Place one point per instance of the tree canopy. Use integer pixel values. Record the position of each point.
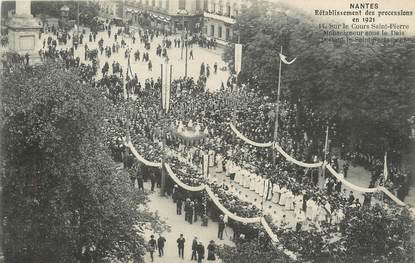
(367, 89)
(64, 198)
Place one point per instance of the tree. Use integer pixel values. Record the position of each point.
(87, 9)
(365, 89)
(376, 234)
(251, 251)
(64, 199)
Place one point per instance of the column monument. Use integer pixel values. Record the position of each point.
(24, 32)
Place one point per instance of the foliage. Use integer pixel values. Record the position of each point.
(366, 89)
(64, 200)
(52, 8)
(376, 234)
(251, 251)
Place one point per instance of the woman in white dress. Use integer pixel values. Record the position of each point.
(289, 199)
(309, 211)
(298, 203)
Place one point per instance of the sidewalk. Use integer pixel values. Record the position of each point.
(165, 207)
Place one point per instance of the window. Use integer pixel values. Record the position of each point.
(212, 30)
(160, 3)
(228, 34)
(167, 4)
(182, 4)
(228, 11)
(220, 31)
(153, 3)
(221, 9)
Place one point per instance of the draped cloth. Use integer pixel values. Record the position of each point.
(242, 137)
(212, 196)
(354, 187)
(229, 213)
(141, 158)
(277, 147)
(299, 163)
(180, 183)
(268, 229)
(394, 198)
(275, 239)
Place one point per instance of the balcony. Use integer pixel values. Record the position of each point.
(222, 18)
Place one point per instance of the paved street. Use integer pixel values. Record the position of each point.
(208, 56)
(165, 207)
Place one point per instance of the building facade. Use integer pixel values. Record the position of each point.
(172, 15)
(220, 16)
(111, 8)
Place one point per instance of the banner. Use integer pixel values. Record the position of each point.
(242, 137)
(165, 90)
(238, 58)
(291, 159)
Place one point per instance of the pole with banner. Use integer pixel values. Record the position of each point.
(205, 165)
(326, 146)
(165, 106)
(238, 58)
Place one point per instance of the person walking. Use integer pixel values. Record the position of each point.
(152, 247)
(194, 247)
(140, 180)
(200, 252)
(211, 251)
(221, 227)
(160, 244)
(179, 204)
(152, 180)
(180, 245)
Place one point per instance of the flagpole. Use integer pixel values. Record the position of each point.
(325, 149)
(163, 155)
(277, 112)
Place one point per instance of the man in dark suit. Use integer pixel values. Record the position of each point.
(179, 203)
(160, 244)
(221, 227)
(194, 247)
(200, 252)
(180, 245)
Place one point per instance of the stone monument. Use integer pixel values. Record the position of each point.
(23, 32)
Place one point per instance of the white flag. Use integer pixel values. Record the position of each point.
(284, 59)
(166, 90)
(238, 58)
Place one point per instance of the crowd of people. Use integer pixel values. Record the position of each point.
(316, 198)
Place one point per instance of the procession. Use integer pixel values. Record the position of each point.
(146, 139)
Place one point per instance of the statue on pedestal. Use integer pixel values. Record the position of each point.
(24, 31)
